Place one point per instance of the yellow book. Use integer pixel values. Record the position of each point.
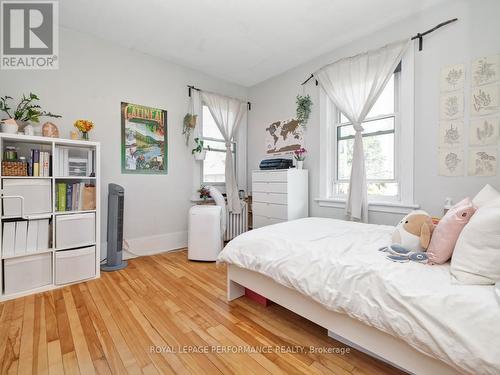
(36, 171)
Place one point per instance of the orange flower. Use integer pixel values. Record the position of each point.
(84, 125)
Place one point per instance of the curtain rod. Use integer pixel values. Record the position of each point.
(419, 36)
(191, 87)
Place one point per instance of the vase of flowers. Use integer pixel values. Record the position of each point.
(84, 126)
(300, 156)
(204, 192)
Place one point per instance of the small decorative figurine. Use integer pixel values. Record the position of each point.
(50, 130)
(29, 130)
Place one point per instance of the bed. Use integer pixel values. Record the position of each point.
(408, 314)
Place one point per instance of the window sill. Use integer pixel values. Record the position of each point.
(373, 206)
(201, 200)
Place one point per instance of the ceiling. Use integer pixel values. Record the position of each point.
(244, 42)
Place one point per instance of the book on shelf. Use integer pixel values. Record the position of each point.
(39, 164)
(69, 197)
(36, 162)
(77, 196)
(61, 196)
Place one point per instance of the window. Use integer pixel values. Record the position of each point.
(213, 169)
(388, 140)
(379, 141)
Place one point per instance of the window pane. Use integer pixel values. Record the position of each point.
(382, 125)
(210, 128)
(379, 151)
(345, 131)
(385, 103)
(213, 167)
(343, 119)
(344, 161)
(216, 145)
(389, 189)
(379, 157)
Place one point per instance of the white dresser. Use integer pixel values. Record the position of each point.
(279, 195)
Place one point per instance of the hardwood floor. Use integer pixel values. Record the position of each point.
(112, 325)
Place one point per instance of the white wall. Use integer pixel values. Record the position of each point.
(94, 77)
(475, 34)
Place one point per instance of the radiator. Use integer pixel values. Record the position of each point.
(236, 223)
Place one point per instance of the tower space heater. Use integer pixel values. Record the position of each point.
(114, 257)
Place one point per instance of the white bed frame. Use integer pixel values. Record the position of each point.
(340, 326)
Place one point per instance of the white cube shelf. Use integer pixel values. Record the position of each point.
(74, 253)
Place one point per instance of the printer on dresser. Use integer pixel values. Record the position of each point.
(279, 195)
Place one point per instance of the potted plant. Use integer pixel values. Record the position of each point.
(188, 125)
(199, 152)
(26, 111)
(300, 156)
(304, 104)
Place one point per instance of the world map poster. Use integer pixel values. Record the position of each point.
(144, 139)
(284, 137)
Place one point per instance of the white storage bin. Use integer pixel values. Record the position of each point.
(25, 273)
(75, 265)
(36, 193)
(74, 230)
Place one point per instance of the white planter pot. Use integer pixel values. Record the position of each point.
(200, 156)
(10, 126)
(300, 164)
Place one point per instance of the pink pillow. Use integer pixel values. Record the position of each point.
(446, 233)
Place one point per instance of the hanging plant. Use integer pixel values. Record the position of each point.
(188, 125)
(199, 152)
(189, 122)
(304, 104)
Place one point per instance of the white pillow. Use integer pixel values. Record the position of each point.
(476, 258)
(487, 194)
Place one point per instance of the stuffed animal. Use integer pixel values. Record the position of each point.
(414, 231)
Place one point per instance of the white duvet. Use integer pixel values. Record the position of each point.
(337, 264)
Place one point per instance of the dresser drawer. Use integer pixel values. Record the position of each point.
(277, 211)
(280, 176)
(278, 198)
(269, 187)
(262, 221)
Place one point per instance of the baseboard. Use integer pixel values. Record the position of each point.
(150, 245)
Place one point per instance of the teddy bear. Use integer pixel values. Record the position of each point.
(414, 231)
(411, 238)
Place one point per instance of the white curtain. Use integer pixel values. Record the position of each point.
(227, 113)
(354, 84)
